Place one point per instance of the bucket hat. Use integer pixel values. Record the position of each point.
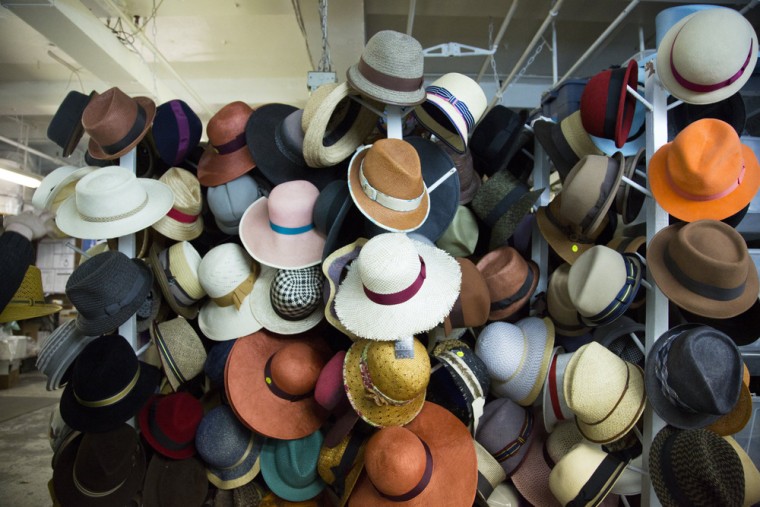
(387, 297)
(335, 268)
(430, 461)
(58, 353)
(229, 201)
(180, 350)
(336, 217)
(230, 450)
(340, 466)
(585, 475)
(510, 278)
(108, 385)
(65, 128)
(607, 109)
(183, 222)
(461, 236)
(278, 231)
(289, 467)
(473, 305)
(565, 143)
(490, 475)
(288, 301)
(705, 172)
(494, 138)
(735, 421)
(174, 483)
(116, 122)
(28, 301)
(390, 69)
(107, 290)
(469, 180)
(454, 103)
(560, 307)
(112, 202)
(682, 387)
(270, 383)
(57, 186)
(169, 422)
(554, 404)
(176, 131)
(506, 431)
(227, 156)
(727, 47)
(176, 270)
(704, 267)
(616, 336)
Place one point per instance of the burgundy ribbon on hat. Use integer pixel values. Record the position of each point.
(231, 146)
(180, 217)
(402, 296)
(420, 487)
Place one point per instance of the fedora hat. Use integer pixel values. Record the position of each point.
(430, 461)
(560, 307)
(176, 131)
(335, 268)
(606, 107)
(731, 110)
(473, 305)
(58, 353)
(227, 155)
(231, 451)
(490, 476)
(565, 143)
(183, 222)
(112, 202)
(174, 483)
(116, 122)
(336, 217)
(506, 431)
(740, 328)
(229, 201)
(511, 280)
(289, 467)
(57, 186)
(176, 270)
(554, 404)
(340, 466)
(494, 140)
(28, 301)
(390, 69)
(705, 268)
(682, 387)
(180, 350)
(227, 274)
(454, 103)
(108, 385)
(65, 128)
(169, 422)
(278, 231)
(461, 236)
(726, 44)
(469, 180)
(18, 255)
(270, 382)
(585, 475)
(628, 201)
(705, 172)
(387, 297)
(616, 336)
(107, 290)
(288, 301)
(735, 421)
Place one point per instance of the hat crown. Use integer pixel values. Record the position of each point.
(388, 263)
(221, 439)
(501, 346)
(295, 368)
(30, 290)
(573, 472)
(591, 181)
(399, 379)
(108, 117)
(291, 204)
(183, 345)
(558, 302)
(395, 54)
(329, 203)
(393, 167)
(185, 188)
(395, 460)
(505, 272)
(104, 368)
(223, 268)
(296, 460)
(505, 424)
(178, 415)
(229, 201)
(109, 193)
(104, 460)
(595, 279)
(228, 123)
(183, 261)
(296, 293)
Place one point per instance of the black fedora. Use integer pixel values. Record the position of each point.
(66, 129)
(731, 110)
(176, 131)
(336, 216)
(495, 140)
(742, 329)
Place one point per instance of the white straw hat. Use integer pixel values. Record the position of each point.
(288, 301)
(57, 186)
(585, 475)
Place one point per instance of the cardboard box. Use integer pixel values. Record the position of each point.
(9, 373)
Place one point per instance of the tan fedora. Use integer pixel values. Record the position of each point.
(180, 349)
(561, 309)
(511, 280)
(183, 222)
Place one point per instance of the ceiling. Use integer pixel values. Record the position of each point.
(211, 53)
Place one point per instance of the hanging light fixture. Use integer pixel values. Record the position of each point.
(11, 171)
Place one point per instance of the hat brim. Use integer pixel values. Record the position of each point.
(636, 136)
(179, 231)
(24, 311)
(384, 95)
(144, 422)
(188, 312)
(150, 113)
(215, 169)
(263, 311)
(334, 269)
(49, 191)
(280, 485)
(240, 475)
(733, 422)
(59, 352)
(565, 247)
(222, 323)
(627, 104)
(453, 131)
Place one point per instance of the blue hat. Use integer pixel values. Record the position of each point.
(289, 467)
(229, 201)
(176, 131)
(216, 359)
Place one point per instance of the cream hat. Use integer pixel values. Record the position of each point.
(183, 222)
(585, 475)
(58, 185)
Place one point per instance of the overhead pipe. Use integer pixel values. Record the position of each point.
(410, 17)
(497, 40)
(37, 153)
(750, 5)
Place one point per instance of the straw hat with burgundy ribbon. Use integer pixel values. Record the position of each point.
(183, 222)
(227, 156)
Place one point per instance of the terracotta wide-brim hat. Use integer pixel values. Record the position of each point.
(737, 419)
(264, 312)
(335, 268)
(28, 301)
(96, 150)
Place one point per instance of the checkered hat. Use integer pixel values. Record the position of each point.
(296, 293)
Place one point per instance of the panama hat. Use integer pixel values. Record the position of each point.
(116, 122)
(473, 305)
(28, 301)
(270, 382)
(176, 131)
(629, 201)
(705, 172)
(65, 128)
(726, 44)
(59, 351)
(461, 236)
(227, 156)
(430, 461)
(336, 217)
(174, 483)
(560, 307)
(335, 268)
(288, 301)
(397, 287)
(176, 270)
(511, 280)
(57, 186)
(340, 466)
(565, 143)
(734, 421)
(585, 475)
(180, 350)
(169, 422)
(704, 267)
(229, 201)
(506, 431)
(751, 474)
(390, 69)
(289, 467)
(494, 138)
(183, 222)
(606, 107)
(554, 404)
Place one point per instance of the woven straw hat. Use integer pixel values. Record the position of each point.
(176, 269)
(511, 280)
(390, 69)
(180, 349)
(229, 201)
(734, 421)
(28, 301)
(490, 474)
(604, 412)
(707, 56)
(183, 222)
(181, 482)
(461, 236)
(606, 107)
(340, 466)
(397, 287)
(473, 304)
(560, 307)
(585, 475)
(288, 301)
(384, 387)
(506, 431)
(59, 352)
(554, 404)
(227, 155)
(751, 474)
(57, 186)
(289, 467)
(565, 143)
(169, 423)
(335, 268)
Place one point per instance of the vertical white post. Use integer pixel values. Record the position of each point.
(540, 248)
(127, 246)
(394, 121)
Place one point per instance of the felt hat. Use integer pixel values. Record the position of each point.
(560, 307)
(107, 290)
(59, 351)
(57, 186)
(751, 474)
(112, 202)
(108, 385)
(510, 278)
(116, 122)
(554, 404)
(169, 422)
(704, 267)
(682, 387)
(666, 18)
(150, 308)
(335, 268)
(430, 461)
(289, 467)
(616, 336)
(494, 138)
(174, 483)
(473, 305)
(288, 301)
(532, 478)
(454, 103)
(565, 143)
(336, 217)
(176, 131)
(65, 128)
(270, 382)
(469, 180)
(329, 392)
(726, 45)
(227, 156)
(585, 475)
(740, 328)
(176, 270)
(229, 201)
(506, 431)
(28, 301)
(628, 201)
(734, 421)
(180, 350)
(461, 236)
(606, 107)
(183, 222)
(230, 450)
(390, 69)
(705, 172)
(216, 360)
(340, 466)
(278, 230)
(387, 297)
(490, 475)
(731, 110)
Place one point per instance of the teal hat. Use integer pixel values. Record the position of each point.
(461, 236)
(289, 467)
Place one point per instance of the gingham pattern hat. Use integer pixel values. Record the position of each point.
(296, 293)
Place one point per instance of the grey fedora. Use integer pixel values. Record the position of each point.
(59, 352)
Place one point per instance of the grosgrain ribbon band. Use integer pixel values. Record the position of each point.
(162, 438)
(449, 97)
(113, 218)
(134, 132)
(276, 390)
(554, 392)
(623, 298)
(138, 285)
(111, 400)
(383, 80)
(239, 293)
(702, 88)
(402, 296)
(420, 487)
(231, 146)
(703, 289)
(183, 131)
(27, 302)
(290, 231)
(513, 447)
(181, 217)
(94, 494)
(703, 198)
(385, 200)
(597, 486)
(505, 203)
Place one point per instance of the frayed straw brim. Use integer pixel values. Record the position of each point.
(264, 312)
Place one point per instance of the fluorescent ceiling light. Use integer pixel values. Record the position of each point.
(11, 171)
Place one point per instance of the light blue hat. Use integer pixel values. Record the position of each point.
(229, 201)
(289, 467)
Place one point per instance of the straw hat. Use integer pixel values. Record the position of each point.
(176, 131)
(227, 156)
(706, 172)
(28, 301)
(180, 349)
(751, 474)
(565, 143)
(183, 222)
(176, 269)
(116, 122)
(506, 431)
(229, 201)
(57, 186)
(335, 268)
(58, 353)
(554, 404)
(289, 467)
(430, 461)
(390, 69)
(734, 421)
(169, 422)
(65, 128)
(585, 475)
(461, 236)
(174, 482)
(336, 217)
(494, 140)
(707, 56)
(472, 307)
(605, 97)
(340, 466)
(288, 301)
(397, 287)
(490, 475)
(511, 280)
(560, 307)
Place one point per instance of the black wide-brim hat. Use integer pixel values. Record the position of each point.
(17, 256)
(66, 129)
(336, 216)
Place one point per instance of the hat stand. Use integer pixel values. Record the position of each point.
(393, 115)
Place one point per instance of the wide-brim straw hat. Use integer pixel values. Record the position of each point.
(115, 118)
(183, 222)
(264, 312)
(340, 466)
(180, 350)
(176, 482)
(59, 352)
(737, 419)
(335, 268)
(57, 186)
(565, 143)
(185, 266)
(28, 301)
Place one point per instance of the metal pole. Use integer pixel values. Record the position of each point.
(38, 153)
(555, 57)
(497, 40)
(410, 17)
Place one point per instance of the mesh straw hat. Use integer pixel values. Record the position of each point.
(705, 268)
(473, 304)
(683, 386)
(57, 186)
(565, 143)
(116, 122)
(628, 201)
(585, 475)
(385, 387)
(174, 483)
(726, 45)
(278, 230)
(59, 352)
(336, 217)
(288, 301)
(430, 461)
(183, 222)
(112, 202)
(490, 474)
(216, 360)
(230, 450)
(751, 474)
(270, 382)
(390, 69)
(604, 412)
(28, 301)
(506, 431)
(616, 336)
(65, 128)
(176, 131)
(494, 139)
(107, 290)
(180, 350)
(397, 287)
(454, 103)
(554, 404)
(511, 280)
(227, 274)
(335, 268)
(229, 201)
(734, 421)
(461, 236)
(169, 422)
(560, 307)
(606, 107)
(289, 467)
(227, 156)
(706, 172)
(176, 269)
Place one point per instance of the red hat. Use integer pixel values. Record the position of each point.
(168, 423)
(227, 156)
(606, 106)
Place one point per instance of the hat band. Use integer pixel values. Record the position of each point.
(523, 291)
(231, 146)
(554, 392)
(485, 488)
(383, 80)
(162, 438)
(668, 471)
(113, 218)
(449, 97)
(27, 302)
(134, 132)
(181, 217)
(239, 293)
(623, 299)
(420, 487)
(342, 469)
(661, 372)
(166, 353)
(96, 494)
(183, 131)
(605, 189)
(178, 292)
(111, 400)
(385, 200)
(567, 230)
(505, 203)
(475, 390)
(372, 392)
(701, 88)
(276, 390)
(402, 296)
(701, 288)
(290, 231)
(696, 197)
(114, 308)
(513, 447)
(598, 485)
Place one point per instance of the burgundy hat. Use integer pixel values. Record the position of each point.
(169, 422)
(606, 106)
(227, 156)
(329, 391)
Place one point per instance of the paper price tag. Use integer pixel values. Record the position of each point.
(404, 348)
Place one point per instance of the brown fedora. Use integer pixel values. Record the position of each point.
(511, 280)
(227, 156)
(473, 304)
